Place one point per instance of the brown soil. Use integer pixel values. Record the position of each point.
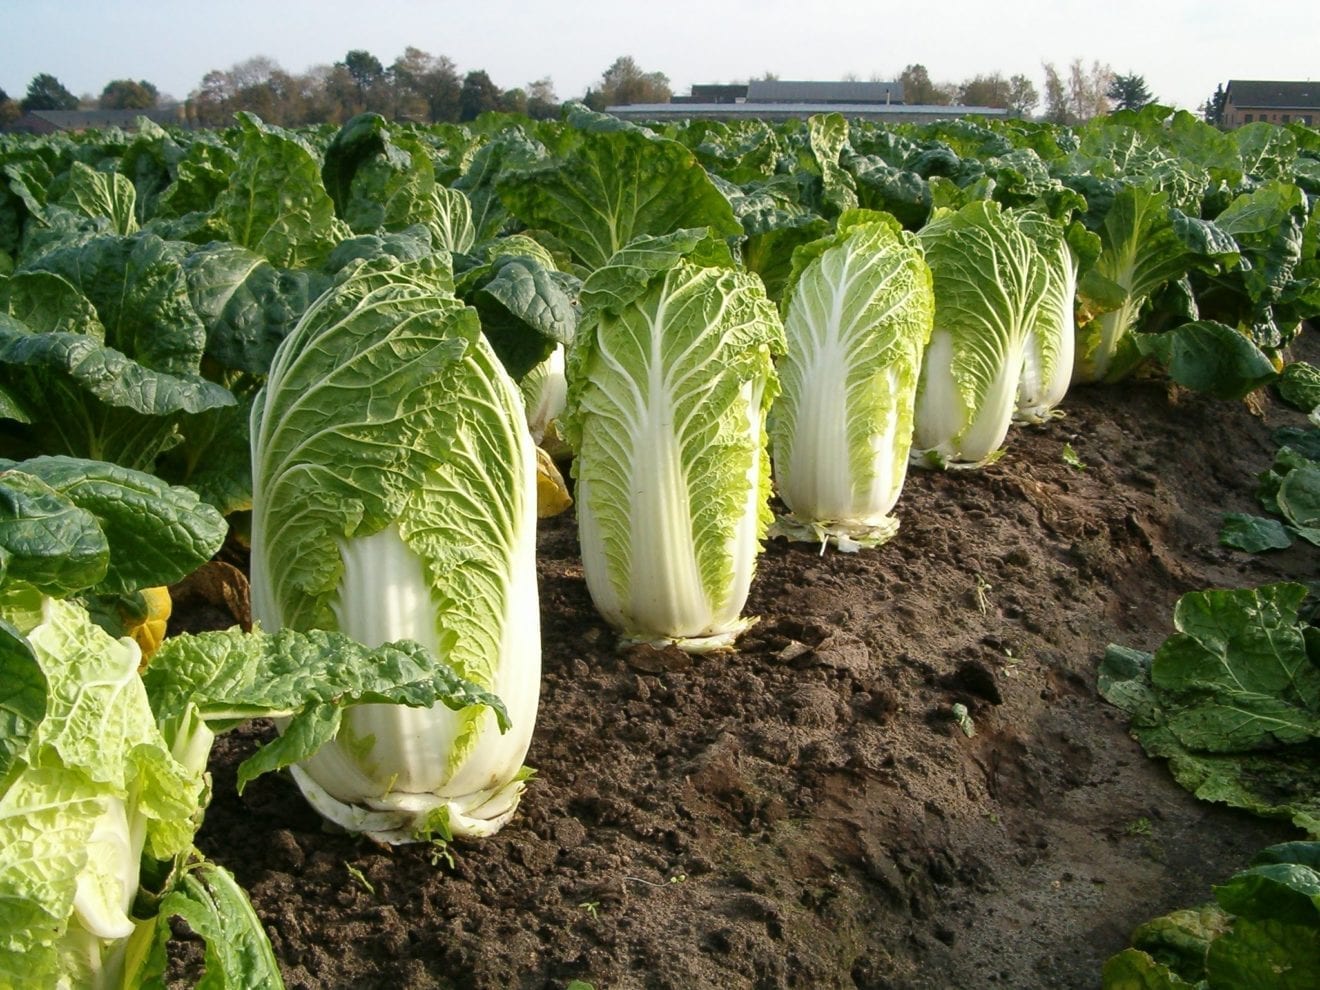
(806, 811)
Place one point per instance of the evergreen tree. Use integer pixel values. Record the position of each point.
(1129, 92)
(45, 92)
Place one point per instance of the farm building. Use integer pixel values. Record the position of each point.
(774, 99)
(1248, 101)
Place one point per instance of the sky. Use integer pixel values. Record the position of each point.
(1182, 48)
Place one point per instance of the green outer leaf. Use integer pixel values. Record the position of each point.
(46, 540)
(157, 534)
(1236, 678)
(1253, 533)
(231, 676)
(1245, 651)
(525, 311)
(1179, 939)
(1146, 244)
(107, 374)
(857, 321)
(1133, 969)
(614, 186)
(1209, 357)
(246, 305)
(1299, 385)
(276, 203)
(1299, 496)
(23, 690)
(140, 292)
(1265, 954)
(45, 302)
(1287, 892)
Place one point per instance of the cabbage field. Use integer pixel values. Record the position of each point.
(580, 555)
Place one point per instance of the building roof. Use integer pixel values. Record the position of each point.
(785, 91)
(789, 111)
(81, 120)
(1270, 93)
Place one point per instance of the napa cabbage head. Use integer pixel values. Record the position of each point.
(1047, 358)
(858, 315)
(394, 498)
(989, 281)
(669, 378)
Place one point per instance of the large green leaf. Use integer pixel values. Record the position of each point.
(1232, 700)
(1209, 357)
(246, 304)
(616, 185)
(275, 203)
(156, 533)
(45, 539)
(1245, 655)
(140, 292)
(47, 303)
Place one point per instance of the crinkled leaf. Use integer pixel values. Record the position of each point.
(140, 292)
(231, 676)
(525, 311)
(276, 203)
(1243, 654)
(616, 185)
(1133, 969)
(45, 302)
(246, 304)
(104, 373)
(99, 194)
(156, 533)
(45, 539)
(22, 695)
(1299, 385)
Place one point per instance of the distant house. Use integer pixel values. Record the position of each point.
(773, 99)
(52, 121)
(1247, 101)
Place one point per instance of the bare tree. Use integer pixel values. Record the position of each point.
(1088, 89)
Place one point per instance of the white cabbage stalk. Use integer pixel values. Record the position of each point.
(669, 380)
(859, 315)
(394, 489)
(544, 390)
(1047, 359)
(988, 280)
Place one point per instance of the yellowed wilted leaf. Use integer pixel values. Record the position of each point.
(552, 495)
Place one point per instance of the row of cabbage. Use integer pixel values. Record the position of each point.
(319, 338)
